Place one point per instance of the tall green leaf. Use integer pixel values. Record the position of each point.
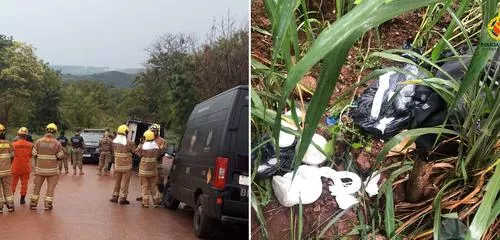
(436, 204)
(481, 219)
(339, 38)
(436, 51)
(259, 215)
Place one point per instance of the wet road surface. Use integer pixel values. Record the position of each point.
(82, 211)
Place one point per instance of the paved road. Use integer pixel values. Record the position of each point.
(82, 211)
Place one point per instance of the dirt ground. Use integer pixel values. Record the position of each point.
(82, 211)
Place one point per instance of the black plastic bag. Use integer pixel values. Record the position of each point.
(269, 165)
(383, 111)
(452, 229)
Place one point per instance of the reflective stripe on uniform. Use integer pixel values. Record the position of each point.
(147, 172)
(49, 199)
(4, 146)
(46, 170)
(46, 157)
(5, 172)
(148, 160)
(60, 154)
(5, 155)
(123, 155)
(128, 167)
(34, 197)
(10, 198)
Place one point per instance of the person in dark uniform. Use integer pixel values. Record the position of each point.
(30, 138)
(77, 145)
(64, 142)
(112, 136)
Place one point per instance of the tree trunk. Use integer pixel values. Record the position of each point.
(4, 118)
(418, 181)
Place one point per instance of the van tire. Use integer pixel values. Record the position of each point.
(168, 200)
(202, 223)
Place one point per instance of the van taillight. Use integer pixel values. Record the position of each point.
(220, 172)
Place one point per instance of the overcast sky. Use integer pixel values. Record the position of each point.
(112, 33)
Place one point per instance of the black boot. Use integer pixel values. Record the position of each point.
(124, 202)
(160, 187)
(23, 201)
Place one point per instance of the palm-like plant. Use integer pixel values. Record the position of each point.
(274, 82)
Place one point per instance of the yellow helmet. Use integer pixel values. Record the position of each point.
(51, 127)
(2, 128)
(149, 135)
(23, 131)
(122, 129)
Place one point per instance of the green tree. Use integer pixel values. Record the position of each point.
(46, 98)
(222, 61)
(165, 90)
(18, 77)
(89, 103)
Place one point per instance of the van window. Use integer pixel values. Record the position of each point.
(242, 142)
(208, 142)
(192, 141)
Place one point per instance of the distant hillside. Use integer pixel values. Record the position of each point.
(88, 70)
(114, 78)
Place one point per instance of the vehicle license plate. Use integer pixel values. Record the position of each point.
(243, 180)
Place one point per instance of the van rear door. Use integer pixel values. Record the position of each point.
(240, 140)
(237, 190)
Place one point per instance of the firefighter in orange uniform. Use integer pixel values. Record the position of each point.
(21, 165)
(47, 152)
(6, 155)
(123, 150)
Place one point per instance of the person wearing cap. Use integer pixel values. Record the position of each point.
(64, 142)
(47, 151)
(77, 145)
(112, 160)
(162, 144)
(6, 156)
(105, 149)
(155, 128)
(149, 152)
(123, 150)
(21, 165)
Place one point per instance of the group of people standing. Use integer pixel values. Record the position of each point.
(50, 154)
(151, 151)
(75, 153)
(15, 162)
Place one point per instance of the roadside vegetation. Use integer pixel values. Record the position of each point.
(318, 56)
(180, 72)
